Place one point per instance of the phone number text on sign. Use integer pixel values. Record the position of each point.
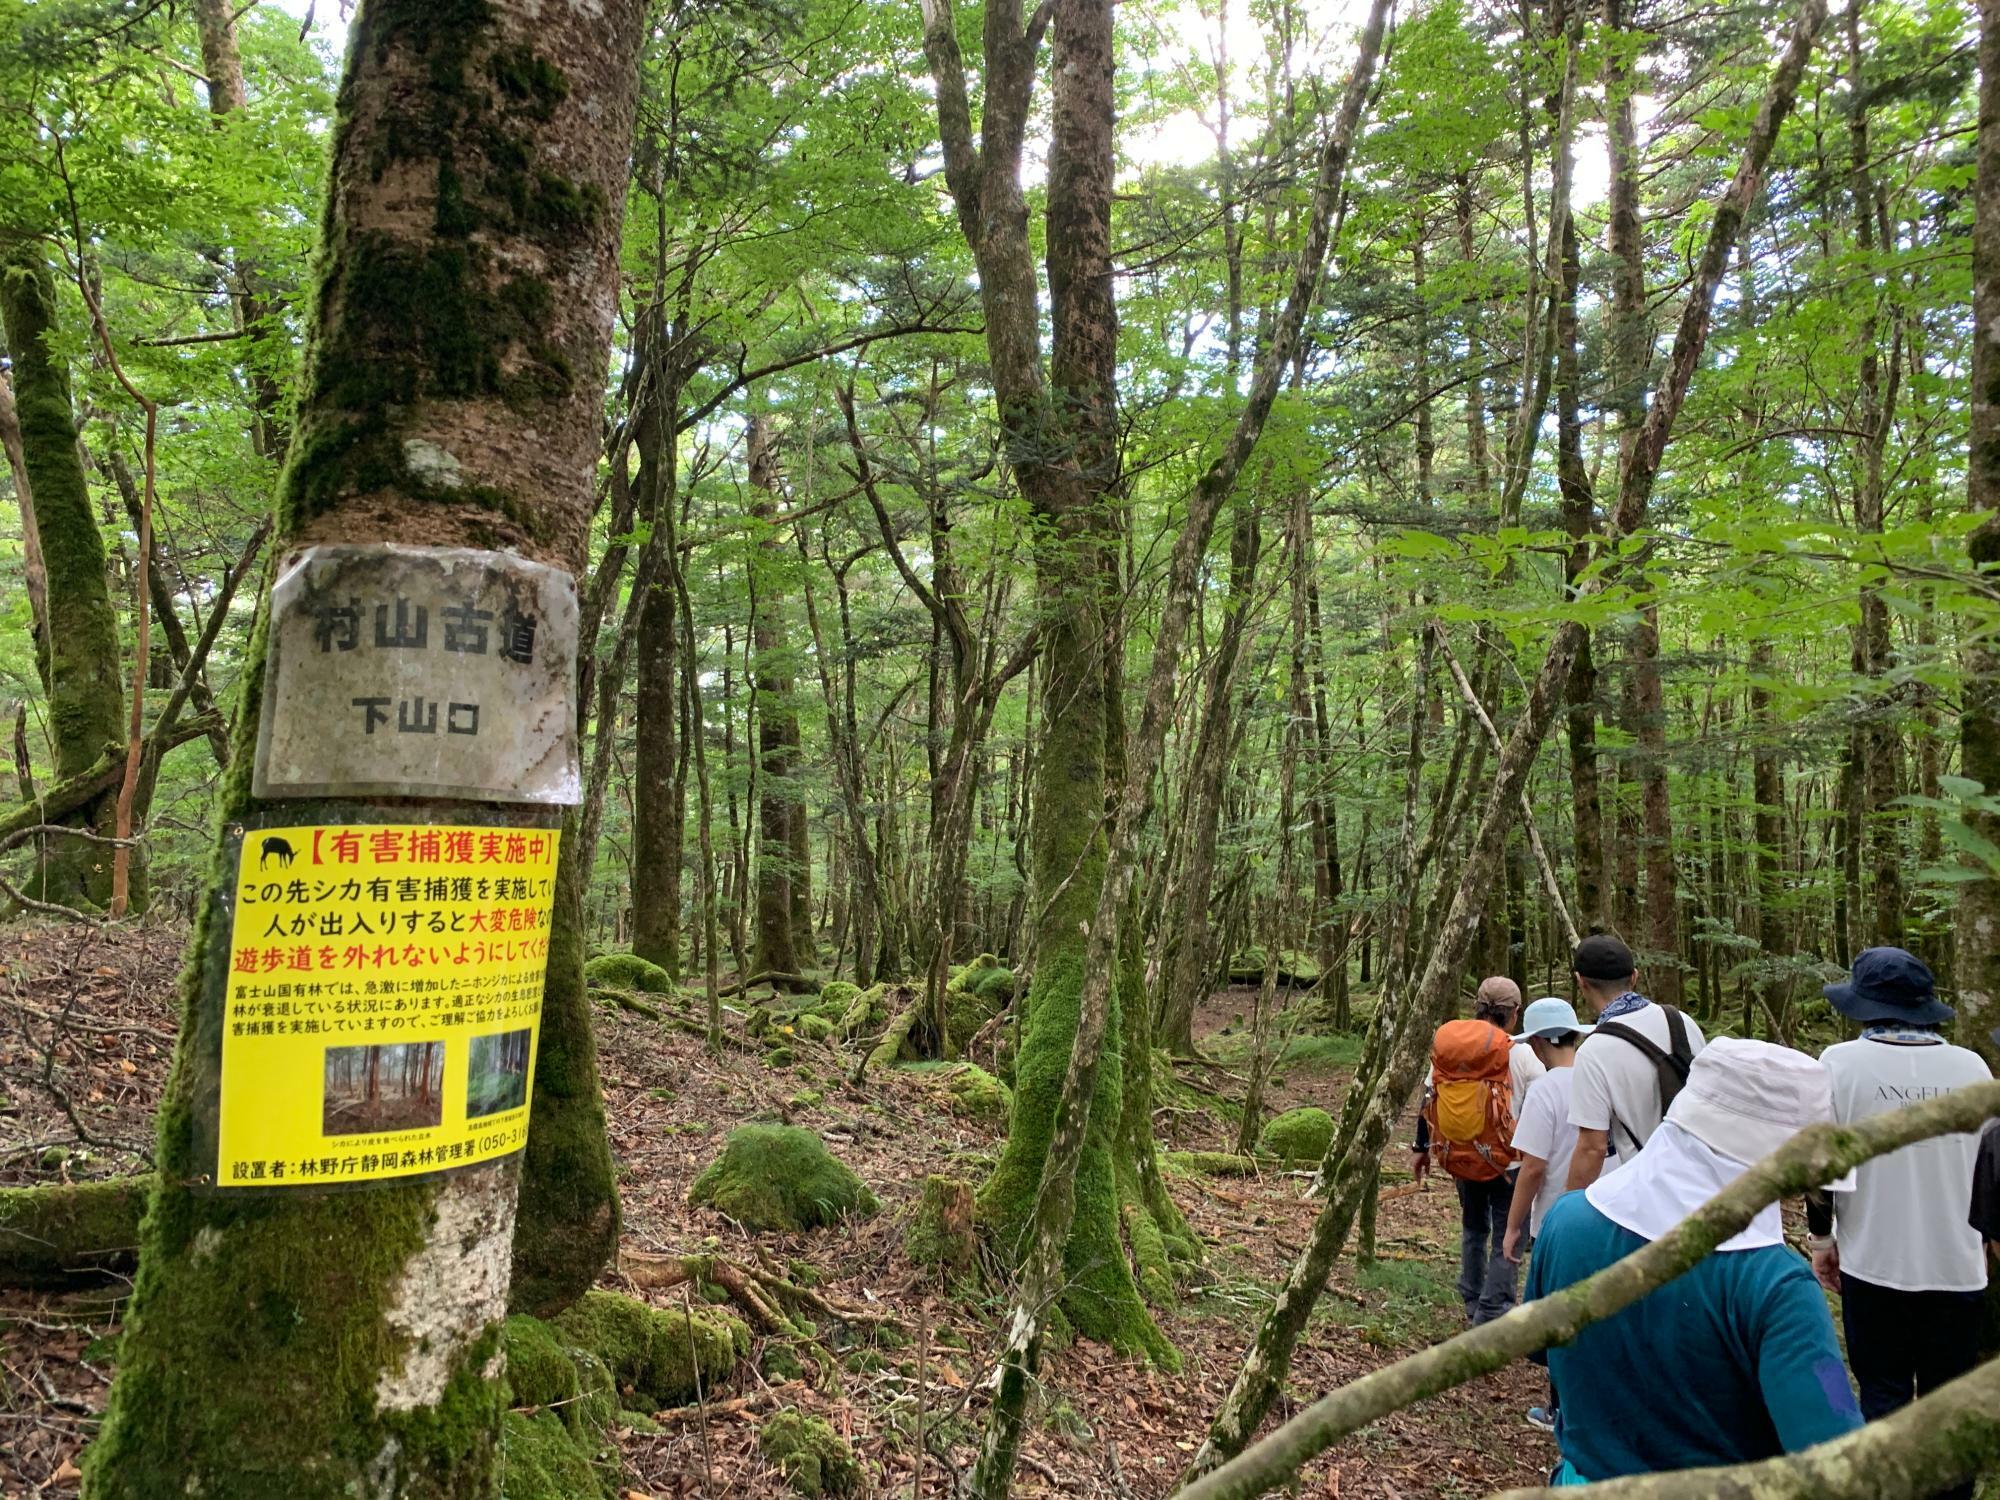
(383, 1000)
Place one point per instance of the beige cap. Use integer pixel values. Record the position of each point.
(1500, 990)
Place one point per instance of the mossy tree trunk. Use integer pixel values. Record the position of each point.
(86, 696)
(659, 817)
(349, 1344)
(1977, 960)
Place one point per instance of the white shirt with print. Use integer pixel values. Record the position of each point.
(1904, 1224)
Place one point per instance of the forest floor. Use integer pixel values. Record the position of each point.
(1108, 1426)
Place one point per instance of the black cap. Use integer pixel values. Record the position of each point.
(1602, 956)
(1889, 984)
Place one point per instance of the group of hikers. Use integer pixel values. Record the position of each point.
(1572, 1145)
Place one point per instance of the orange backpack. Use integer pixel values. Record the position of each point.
(1470, 1106)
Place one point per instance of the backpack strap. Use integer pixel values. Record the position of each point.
(1671, 1066)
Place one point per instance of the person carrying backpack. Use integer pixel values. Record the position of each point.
(1629, 1069)
(1466, 1127)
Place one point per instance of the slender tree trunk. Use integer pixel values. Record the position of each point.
(658, 812)
(86, 695)
(1977, 957)
(35, 574)
(375, 1315)
(1877, 749)
(1194, 957)
(777, 731)
(255, 307)
(1663, 920)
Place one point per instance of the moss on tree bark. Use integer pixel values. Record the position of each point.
(86, 696)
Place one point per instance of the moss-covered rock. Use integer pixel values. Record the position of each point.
(628, 971)
(781, 1057)
(663, 1356)
(988, 978)
(866, 1010)
(977, 1093)
(1297, 1134)
(942, 1232)
(780, 1177)
(836, 999)
(780, 1363)
(813, 1027)
(539, 1371)
(965, 1013)
(810, 1454)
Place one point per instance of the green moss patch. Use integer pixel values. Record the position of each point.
(540, 1459)
(664, 1357)
(780, 1177)
(629, 972)
(942, 1231)
(968, 1089)
(810, 1454)
(1297, 1134)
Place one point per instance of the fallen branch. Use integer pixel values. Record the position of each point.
(709, 1411)
(886, 1050)
(1810, 1159)
(760, 1292)
(62, 1234)
(58, 830)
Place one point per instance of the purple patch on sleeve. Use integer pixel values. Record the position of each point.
(1833, 1383)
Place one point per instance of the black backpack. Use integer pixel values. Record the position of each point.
(1672, 1066)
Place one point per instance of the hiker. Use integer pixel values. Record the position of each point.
(1733, 1361)
(1985, 1215)
(1467, 1123)
(1635, 1062)
(1909, 1269)
(1543, 1139)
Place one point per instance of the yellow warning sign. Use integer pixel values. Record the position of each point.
(383, 1000)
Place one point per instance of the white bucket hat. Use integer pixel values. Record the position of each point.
(1745, 1099)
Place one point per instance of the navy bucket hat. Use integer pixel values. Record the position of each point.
(1889, 984)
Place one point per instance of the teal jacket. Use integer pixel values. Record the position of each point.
(1731, 1362)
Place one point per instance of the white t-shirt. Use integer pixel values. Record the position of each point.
(1616, 1082)
(1904, 1225)
(1542, 1128)
(1523, 1068)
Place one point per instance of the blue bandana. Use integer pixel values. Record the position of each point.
(1624, 1005)
(1901, 1036)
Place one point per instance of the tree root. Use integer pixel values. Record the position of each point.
(763, 1293)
